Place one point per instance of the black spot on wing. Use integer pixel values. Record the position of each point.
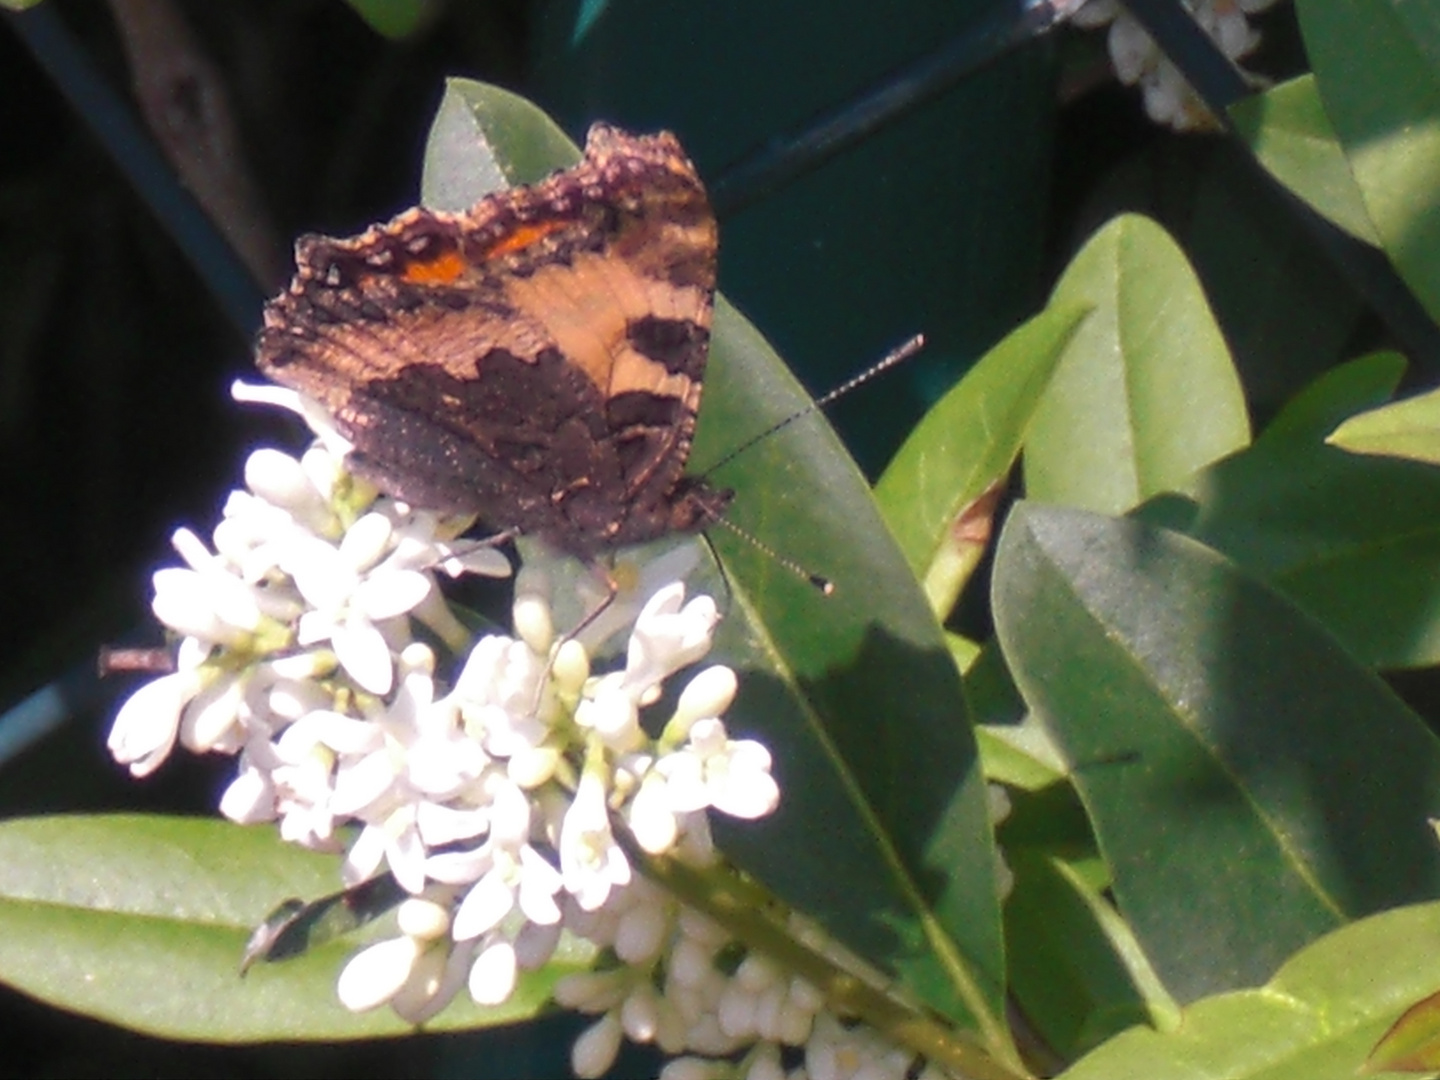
(679, 344)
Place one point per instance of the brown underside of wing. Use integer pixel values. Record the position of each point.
(537, 360)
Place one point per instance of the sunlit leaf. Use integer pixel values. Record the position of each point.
(1377, 66)
(950, 468)
(1288, 130)
(1405, 429)
(142, 921)
(1315, 1020)
(1146, 392)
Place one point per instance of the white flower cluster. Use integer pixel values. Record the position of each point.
(312, 576)
(722, 1012)
(493, 803)
(1169, 99)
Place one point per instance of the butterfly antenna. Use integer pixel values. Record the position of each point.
(897, 355)
(824, 584)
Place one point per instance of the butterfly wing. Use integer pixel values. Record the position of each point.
(537, 360)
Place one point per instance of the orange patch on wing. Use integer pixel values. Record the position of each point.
(441, 270)
(523, 237)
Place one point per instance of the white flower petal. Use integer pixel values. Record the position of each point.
(640, 1015)
(204, 606)
(591, 863)
(425, 995)
(362, 783)
(708, 694)
(424, 919)
(530, 767)
(540, 883)
(325, 727)
(146, 726)
(596, 1048)
(364, 856)
(212, 714)
(279, 478)
(533, 624)
(650, 818)
(492, 979)
(404, 851)
(641, 934)
(535, 944)
(685, 788)
(459, 867)
(386, 594)
(375, 974)
(484, 906)
(365, 656)
(250, 798)
(366, 541)
(440, 824)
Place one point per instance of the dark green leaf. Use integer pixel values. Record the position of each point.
(393, 18)
(1250, 785)
(1075, 967)
(1354, 540)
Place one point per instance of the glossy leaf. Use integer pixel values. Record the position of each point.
(142, 921)
(1377, 66)
(1146, 393)
(1405, 429)
(1287, 129)
(1250, 785)
(1353, 540)
(1315, 1020)
(964, 448)
(881, 790)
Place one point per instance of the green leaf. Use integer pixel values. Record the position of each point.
(1377, 65)
(1251, 786)
(1315, 1020)
(963, 448)
(142, 922)
(394, 18)
(1405, 429)
(881, 789)
(1353, 540)
(888, 782)
(485, 139)
(1146, 393)
(1290, 134)
(1015, 748)
(1075, 967)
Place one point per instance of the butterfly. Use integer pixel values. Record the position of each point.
(536, 360)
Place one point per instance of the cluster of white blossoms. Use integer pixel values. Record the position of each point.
(1169, 99)
(493, 803)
